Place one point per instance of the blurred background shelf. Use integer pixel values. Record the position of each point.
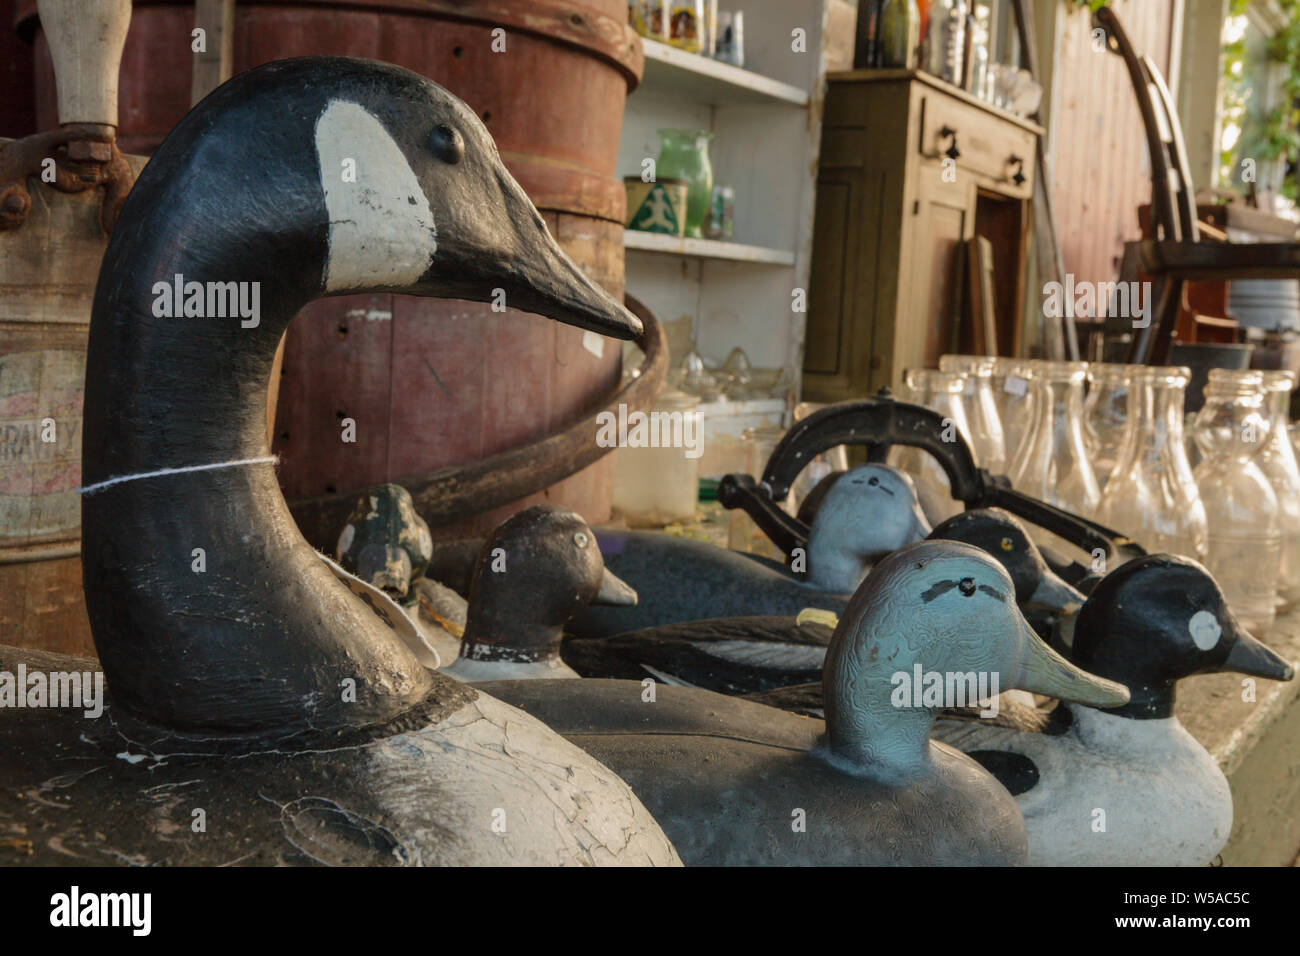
(705, 248)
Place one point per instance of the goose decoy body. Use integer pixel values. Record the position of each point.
(1129, 786)
(866, 515)
(535, 570)
(254, 686)
(734, 782)
(756, 654)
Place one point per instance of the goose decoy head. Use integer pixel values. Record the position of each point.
(870, 511)
(299, 179)
(1160, 618)
(536, 570)
(385, 543)
(933, 621)
(1002, 535)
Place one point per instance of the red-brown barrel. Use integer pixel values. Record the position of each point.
(432, 383)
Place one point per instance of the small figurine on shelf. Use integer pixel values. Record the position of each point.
(685, 23)
(731, 37)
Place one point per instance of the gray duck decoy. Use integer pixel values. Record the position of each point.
(261, 690)
(734, 782)
(870, 513)
(1129, 786)
(757, 654)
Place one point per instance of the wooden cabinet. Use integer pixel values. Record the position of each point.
(910, 169)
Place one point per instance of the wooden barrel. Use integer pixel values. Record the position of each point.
(48, 269)
(432, 383)
(17, 90)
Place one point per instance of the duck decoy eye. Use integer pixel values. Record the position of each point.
(966, 586)
(580, 539)
(447, 144)
(873, 480)
(1006, 544)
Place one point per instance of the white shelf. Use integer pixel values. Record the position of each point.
(705, 80)
(705, 248)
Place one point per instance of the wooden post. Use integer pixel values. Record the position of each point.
(213, 66)
(86, 43)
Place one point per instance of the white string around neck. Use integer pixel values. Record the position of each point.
(122, 479)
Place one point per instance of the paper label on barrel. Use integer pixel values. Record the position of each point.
(593, 343)
(40, 442)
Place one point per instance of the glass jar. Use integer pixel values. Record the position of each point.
(684, 154)
(1053, 462)
(1245, 540)
(743, 533)
(686, 25)
(899, 32)
(1151, 495)
(985, 434)
(1011, 380)
(1278, 462)
(1105, 416)
(941, 392)
(657, 468)
(945, 40)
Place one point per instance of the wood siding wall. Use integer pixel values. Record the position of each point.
(1102, 170)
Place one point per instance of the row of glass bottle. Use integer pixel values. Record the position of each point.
(1120, 457)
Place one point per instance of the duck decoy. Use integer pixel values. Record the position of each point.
(734, 782)
(535, 570)
(865, 516)
(750, 655)
(246, 685)
(1129, 786)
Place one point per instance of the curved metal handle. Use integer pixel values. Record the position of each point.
(952, 152)
(1019, 163)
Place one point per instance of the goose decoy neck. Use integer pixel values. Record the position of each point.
(1160, 618)
(299, 179)
(934, 625)
(536, 571)
(869, 512)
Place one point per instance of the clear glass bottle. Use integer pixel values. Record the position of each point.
(985, 435)
(1245, 541)
(1053, 463)
(1014, 396)
(945, 40)
(977, 80)
(941, 392)
(1151, 495)
(1278, 462)
(1105, 416)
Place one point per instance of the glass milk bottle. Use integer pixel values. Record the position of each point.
(1014, 397)
(1245, 540)
(981, 408)
(940, 392)
(1053, 463)
(1105, 416)
(1278, 462)
(1151, 495)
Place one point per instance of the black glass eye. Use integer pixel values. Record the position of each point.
(966, 586)
(447, 144)
(873, 480)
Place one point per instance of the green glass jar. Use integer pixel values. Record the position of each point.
(684, 154)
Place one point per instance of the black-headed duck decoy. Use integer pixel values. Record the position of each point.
(864, 516)
(253, 685)
(734, 782)
(1129, 786)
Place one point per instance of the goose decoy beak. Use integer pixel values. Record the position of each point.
(1249, 656)
(1053, 593)
(1043, 671)
(614, 591)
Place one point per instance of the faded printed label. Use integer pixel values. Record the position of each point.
(40, 442)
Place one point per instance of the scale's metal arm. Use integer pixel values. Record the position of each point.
(878, 423)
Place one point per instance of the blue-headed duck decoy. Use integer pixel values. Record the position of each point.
(869, 513)
(734, 782)
(247, 682)
(1129, 786)
(749, 655)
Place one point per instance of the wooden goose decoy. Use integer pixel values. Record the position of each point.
(1129, 786)
(535, 570)
(761, 654)
(252, 685)
(733, 782)
(865, 516)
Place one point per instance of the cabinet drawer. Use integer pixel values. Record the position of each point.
(995, 150)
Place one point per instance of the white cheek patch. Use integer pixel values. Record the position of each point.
(345, 539)
(382, 232)
(1205, 629)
